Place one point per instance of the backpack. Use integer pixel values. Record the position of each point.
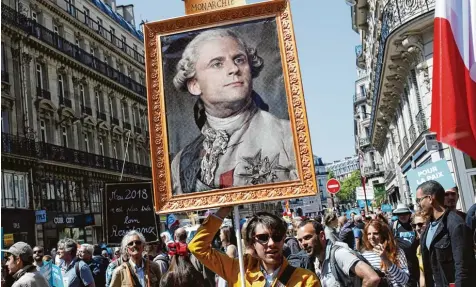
(347, 281)
(300, 259)
(78, 273)
(346, 234)
(164, 259)
(291, 246)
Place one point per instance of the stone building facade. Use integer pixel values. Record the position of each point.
(397, 58)
(74, 114)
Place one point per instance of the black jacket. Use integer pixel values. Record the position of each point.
(450, 258)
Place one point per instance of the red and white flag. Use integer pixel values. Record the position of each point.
(453, 111)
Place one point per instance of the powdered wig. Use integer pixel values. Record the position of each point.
(127, 238)
(186, 65)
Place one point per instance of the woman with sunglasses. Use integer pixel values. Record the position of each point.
(382, 252)
(137, 271)
(264, 235)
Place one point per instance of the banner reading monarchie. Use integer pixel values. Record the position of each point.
(130, 206)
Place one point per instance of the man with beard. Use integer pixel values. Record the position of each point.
(407, 240)
(312, 238)
(137, 271)
(264, 234)
(451, 199)
(19, 261)
(447, 248)
(38, 253)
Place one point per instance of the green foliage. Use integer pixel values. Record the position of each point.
(347, 190)
(330, 174)
(379, 194)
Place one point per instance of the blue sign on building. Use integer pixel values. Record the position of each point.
(437, 171)
(40, 216)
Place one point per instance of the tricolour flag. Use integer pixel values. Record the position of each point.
(453, 111)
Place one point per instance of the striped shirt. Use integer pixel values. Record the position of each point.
(397, 276)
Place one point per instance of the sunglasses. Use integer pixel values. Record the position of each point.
(264, 238)
(136, 242)
(420, 224)
(37, 251)
(418, 200)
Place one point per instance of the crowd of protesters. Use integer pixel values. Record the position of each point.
(432, 247)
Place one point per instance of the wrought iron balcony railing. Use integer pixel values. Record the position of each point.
(5, 77)
(395, 14)
(114, 121)
(43, 94)
(99, 29)
(86, 110)
(22, 146)
(29, 26)
(101, 116)
(370, 170)
(127, 125)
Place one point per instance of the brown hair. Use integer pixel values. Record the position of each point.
(388, 241)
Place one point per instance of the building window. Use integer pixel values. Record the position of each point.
(14, 189)
(81, 95)
(43, 134)
(56, 30)
(126, 151)
(101, 146)
(39, 76)
(114, 149)
(77, 43)
(124, 111)
(106, 59)
(64, 135)
(4, 58)
(5, 121)
(34, 16)
(60, 86)
(123, 40)
(98, 101)
(111, 109)
(87, 19)
(86, 142)
(138, 154)
(364, 111)
(92, 51)
(134, 117)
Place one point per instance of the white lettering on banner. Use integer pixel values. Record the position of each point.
(143, 230)
(58, 220)
(424, 172)
(430, 177)
(333, 185)
(128, 220)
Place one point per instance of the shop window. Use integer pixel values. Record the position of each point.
(14, 190)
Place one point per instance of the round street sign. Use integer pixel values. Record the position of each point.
(333, 186)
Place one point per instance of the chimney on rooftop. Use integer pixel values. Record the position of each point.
(111, 3)
(127, 12)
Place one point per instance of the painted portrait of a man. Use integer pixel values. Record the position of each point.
(239, 141)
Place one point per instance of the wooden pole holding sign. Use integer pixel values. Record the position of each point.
(198, 6)
(236, 218)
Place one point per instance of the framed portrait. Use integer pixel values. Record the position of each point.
(227, 116)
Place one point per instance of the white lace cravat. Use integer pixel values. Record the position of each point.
(215, 144)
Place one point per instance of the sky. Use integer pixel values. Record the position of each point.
(325, 42)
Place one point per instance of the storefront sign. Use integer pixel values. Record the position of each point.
(437, 171)
(130, 206)
(64, 220)
(8, 239)
(197, 6)
(40, 216)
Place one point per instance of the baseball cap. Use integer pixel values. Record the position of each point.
(20, 249)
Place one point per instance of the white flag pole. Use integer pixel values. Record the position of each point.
(125, 155)
(236, 219)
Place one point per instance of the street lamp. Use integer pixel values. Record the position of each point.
(350, 2)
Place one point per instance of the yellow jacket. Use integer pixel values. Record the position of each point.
(229, 268)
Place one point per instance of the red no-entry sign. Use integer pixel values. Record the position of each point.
(333, 186)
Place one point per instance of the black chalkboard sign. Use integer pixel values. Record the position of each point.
(130, 206)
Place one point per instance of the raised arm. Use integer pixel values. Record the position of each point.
(201, 247)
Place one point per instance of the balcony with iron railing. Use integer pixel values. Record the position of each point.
(29, 26)
(114, 121)
(373, 170)
(100, 30)
(364, 142)
(102, 116)
(43, 94)
(21, 146)
(5, 77)
(86, 110)
(395, 14)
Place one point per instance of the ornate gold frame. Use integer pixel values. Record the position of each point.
(306, 184)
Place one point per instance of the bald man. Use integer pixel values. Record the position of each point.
(180, 235)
